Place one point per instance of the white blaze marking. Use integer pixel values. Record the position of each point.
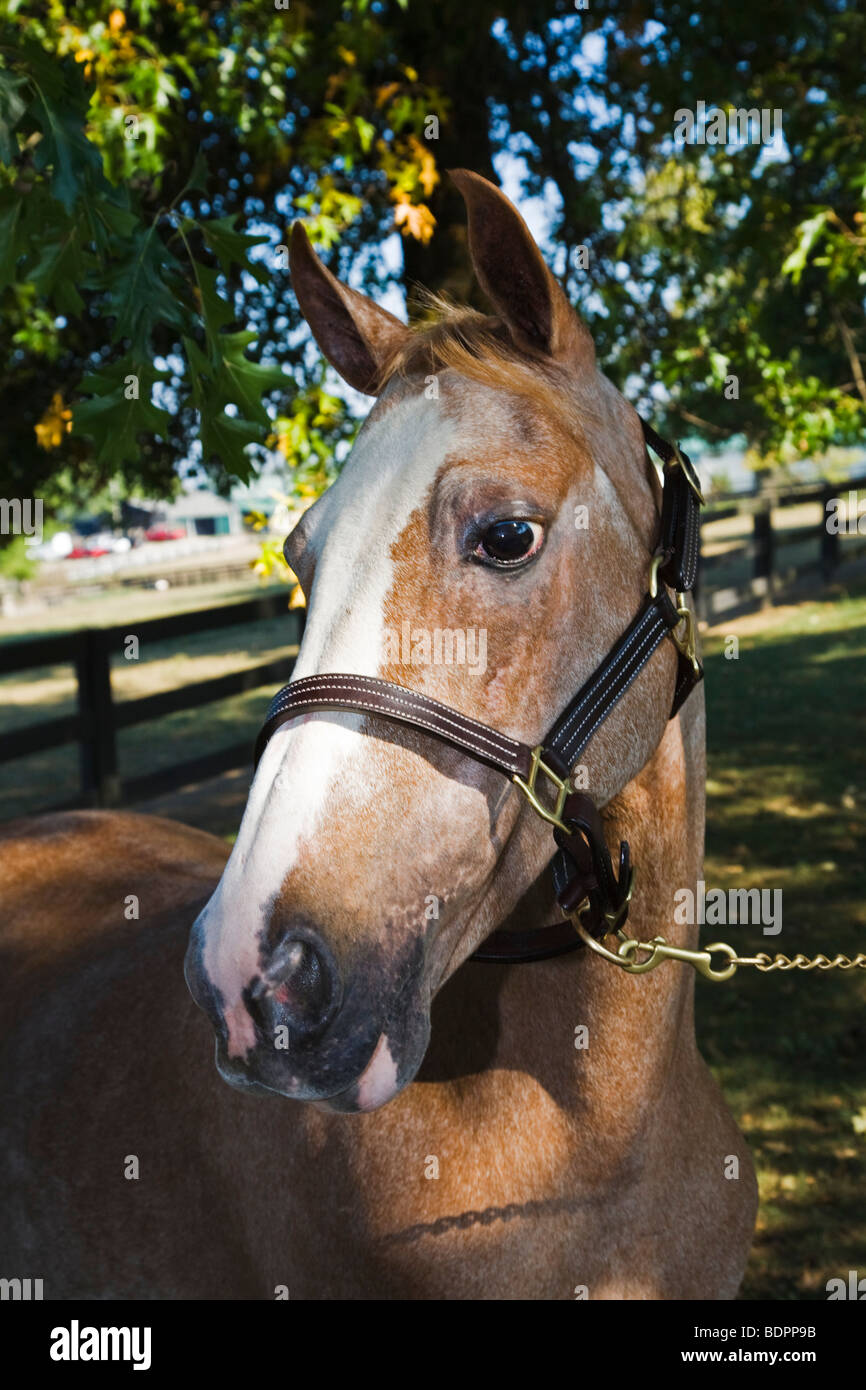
(392, 465)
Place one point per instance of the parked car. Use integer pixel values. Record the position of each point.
(165, 533)
(103, 544)
(57, 548)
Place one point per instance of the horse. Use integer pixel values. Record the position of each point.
(461, 1128)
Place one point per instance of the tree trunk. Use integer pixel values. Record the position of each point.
(464, 143)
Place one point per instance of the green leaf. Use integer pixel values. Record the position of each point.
(246, 382)
(12, 108)
(145, 291)
(231, 247)
(199, 174)
(112, 420)
(60, 110)
(226, 438)
(216, 311)
(223, 376)
(60, 268)
(111, 221)
(228, 245)
(200, 365)
(12, 244)
(808, 233)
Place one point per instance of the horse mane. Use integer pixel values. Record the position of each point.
(480, 347)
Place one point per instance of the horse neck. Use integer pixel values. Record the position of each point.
(640, 1029)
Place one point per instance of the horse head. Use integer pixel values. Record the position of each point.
(486, 542)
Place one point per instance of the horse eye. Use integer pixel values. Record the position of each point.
(506, 542)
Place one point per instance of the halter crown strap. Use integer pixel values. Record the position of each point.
(583, 875)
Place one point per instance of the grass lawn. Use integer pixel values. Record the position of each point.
(787, 809)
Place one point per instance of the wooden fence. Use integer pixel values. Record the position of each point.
(98, 717)
(764, 552)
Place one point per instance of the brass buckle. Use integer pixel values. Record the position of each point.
(563, 786)
(688, 469)
(687, 643)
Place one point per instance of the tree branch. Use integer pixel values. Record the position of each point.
(703, 424)
(848, 340)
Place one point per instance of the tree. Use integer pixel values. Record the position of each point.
(152, 159)
(137, 150)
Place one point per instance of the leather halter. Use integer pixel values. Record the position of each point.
(583, 876)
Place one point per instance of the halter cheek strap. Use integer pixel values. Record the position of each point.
(584, 880)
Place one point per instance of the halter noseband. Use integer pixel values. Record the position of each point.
(584, 881)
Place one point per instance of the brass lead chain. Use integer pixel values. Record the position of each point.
(659, 950)
(764, 962)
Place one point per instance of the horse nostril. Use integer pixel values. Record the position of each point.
(297, 989)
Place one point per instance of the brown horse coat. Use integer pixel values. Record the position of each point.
(537, 1131)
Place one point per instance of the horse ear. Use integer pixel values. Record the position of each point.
(513, 275)
(356, 335)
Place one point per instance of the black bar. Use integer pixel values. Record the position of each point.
(207, 620)
(829, 539)
(127, 712)
(763, 543)
(39, 651)
(99, 781)
(34, 737)
(65, 647)
(171, 779)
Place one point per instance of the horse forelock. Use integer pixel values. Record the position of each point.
(582, 402)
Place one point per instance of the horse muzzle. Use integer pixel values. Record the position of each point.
(307, 1029)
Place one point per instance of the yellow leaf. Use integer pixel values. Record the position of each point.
(347, 56)
(116, 21)
(56, 422)
(296, 598)
(410, 73)
(427, 174)
(416, 220)
(384, 94)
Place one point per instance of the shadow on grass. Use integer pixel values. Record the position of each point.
(787, 808)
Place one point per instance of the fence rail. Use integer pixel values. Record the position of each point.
(99, 716)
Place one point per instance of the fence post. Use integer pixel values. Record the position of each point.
(762, 535)
(100, 783)
(829, 539)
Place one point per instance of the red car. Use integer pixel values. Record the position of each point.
(165, 533)
(84, 552)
